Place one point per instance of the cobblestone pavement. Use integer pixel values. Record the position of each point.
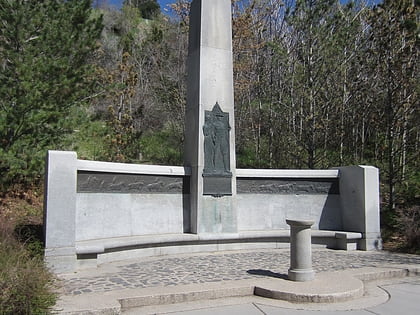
(216, 267)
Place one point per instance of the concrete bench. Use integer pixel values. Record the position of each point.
(338, 240)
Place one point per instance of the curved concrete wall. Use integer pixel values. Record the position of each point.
(99, 208)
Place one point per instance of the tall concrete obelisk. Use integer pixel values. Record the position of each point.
(209, 131)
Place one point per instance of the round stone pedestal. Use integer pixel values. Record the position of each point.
(300, 250)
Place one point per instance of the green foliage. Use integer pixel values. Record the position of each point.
(89, 140)
(25, 284)
(149, 9)
(44, 49)
(162, 147)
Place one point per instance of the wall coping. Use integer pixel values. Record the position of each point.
(270, 173)
(111, 167)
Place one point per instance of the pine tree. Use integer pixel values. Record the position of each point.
(44, 75)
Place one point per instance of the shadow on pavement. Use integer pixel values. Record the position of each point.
(267, 273)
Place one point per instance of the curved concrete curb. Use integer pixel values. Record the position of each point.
(326, 288)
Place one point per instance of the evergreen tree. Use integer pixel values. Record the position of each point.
(44, 75)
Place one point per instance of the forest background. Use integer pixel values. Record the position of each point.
(318, 84)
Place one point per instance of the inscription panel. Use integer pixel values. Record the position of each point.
(287, 186)
(217, 185)
(98, 182)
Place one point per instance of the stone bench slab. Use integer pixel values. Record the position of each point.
(99, 246)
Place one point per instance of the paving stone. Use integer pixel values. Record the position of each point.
(215, 267)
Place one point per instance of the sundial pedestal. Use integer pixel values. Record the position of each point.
(300, 250)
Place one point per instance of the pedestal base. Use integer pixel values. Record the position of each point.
(301, 274)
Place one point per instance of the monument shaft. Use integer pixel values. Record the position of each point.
(209, 126)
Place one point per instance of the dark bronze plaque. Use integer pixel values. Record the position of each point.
(101, 182)
(216, 142)
(287, 186)
(217, 177)
(217, 186)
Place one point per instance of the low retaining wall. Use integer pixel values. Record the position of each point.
(99, 211)
(265, 198)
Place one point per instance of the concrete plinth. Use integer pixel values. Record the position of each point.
(300, 250)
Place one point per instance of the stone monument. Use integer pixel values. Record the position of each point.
(209, 132)
(97, 212)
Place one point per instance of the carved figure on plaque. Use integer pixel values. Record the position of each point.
(216, 142)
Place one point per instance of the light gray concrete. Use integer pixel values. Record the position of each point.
(271, 310)
(72, 217)
(102, 226)
(262, 212)
(241, 309)
(125, 168)
(138, 214)
(60, 210)
(210, 80)
(359, 192)
(300, 250)
(403, 299)
(171, 244)
(328, 287)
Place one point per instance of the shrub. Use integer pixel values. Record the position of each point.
(409, 225)
(26, 287)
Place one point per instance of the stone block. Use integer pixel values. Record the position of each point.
(359, 191)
